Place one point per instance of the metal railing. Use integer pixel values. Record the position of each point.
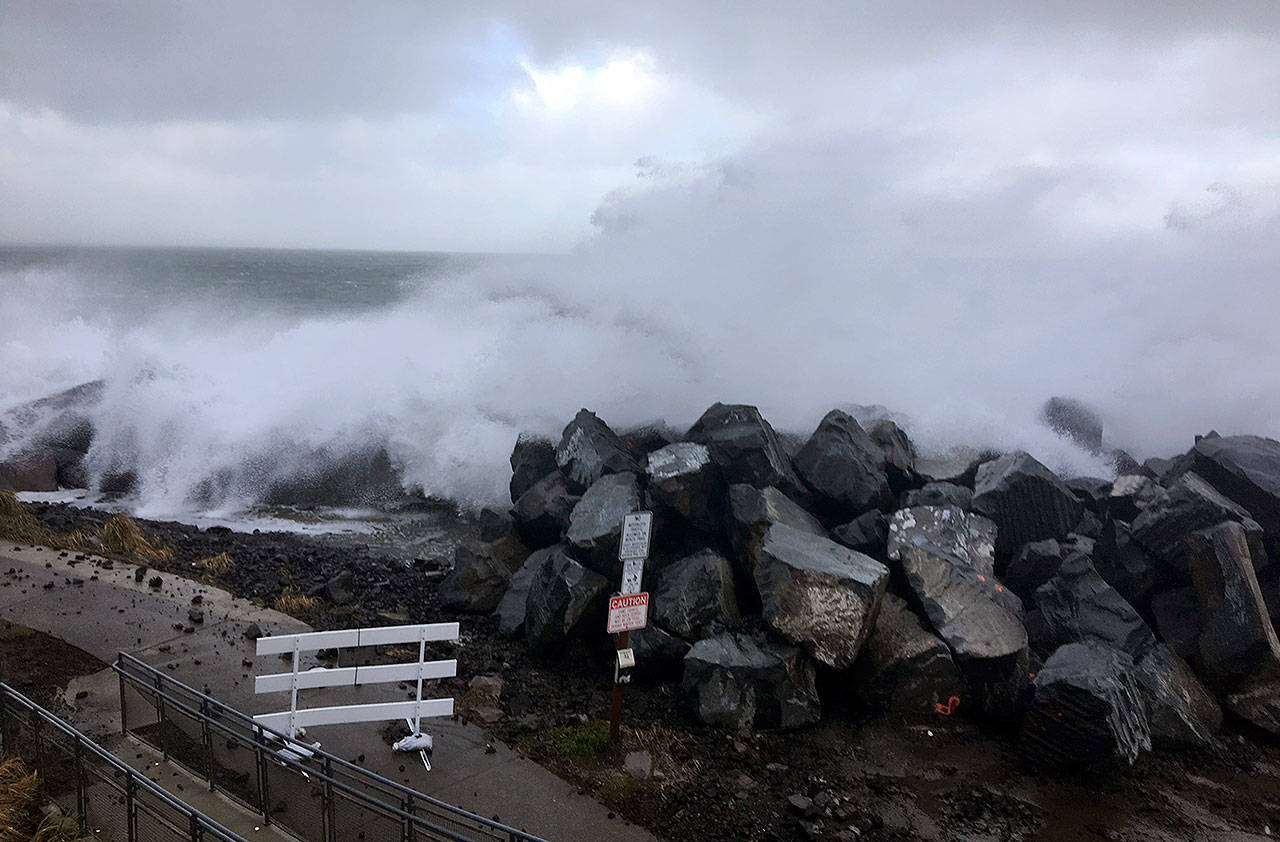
(112, 800)
(307, 791)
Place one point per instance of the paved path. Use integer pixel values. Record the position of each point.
(105, 611)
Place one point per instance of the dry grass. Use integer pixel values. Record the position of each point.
(216, 565)
(658, 740)
(122, 536)
(17, 524)
(293, 603)
(19, 801)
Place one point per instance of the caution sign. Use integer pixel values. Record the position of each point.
(627, 613)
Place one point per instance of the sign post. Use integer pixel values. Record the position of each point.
(630, 609)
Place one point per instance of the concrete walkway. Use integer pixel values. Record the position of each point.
(105, 611)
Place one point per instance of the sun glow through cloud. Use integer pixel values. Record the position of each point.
(619, 83)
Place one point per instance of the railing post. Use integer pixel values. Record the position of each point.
(406, 823)
(326, 802)
(160, 720)
(264, 792)
(207, 736)
(35, 741)
(4, 721)
(131, 807)
(197, 832)
(124, 712)
(82, 807)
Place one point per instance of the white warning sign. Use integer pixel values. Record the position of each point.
(636, 530)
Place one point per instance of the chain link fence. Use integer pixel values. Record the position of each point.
(112, 800)
(307, 791)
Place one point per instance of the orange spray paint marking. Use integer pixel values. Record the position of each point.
(949, 708)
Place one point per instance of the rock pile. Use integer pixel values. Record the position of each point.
(1096, 617)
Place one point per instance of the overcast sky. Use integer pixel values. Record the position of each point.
(509, 127)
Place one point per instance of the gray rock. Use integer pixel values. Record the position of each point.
(31, 470)
(1077, 605)
(1036, 563)
(1237, 640)
(958, 466)
(957, 533)
(1257, 701)
(753, 510)
(843, 468)
(562, 594)
(979, 619)
(1126, 566)
(1130, 494)
(495, 524)
(340, 590)
(818, 594)
(695, 594)
(511, 609)
(744, 446)
(1086, 709)
(867, 533)
(480, 574)
(1093, 492)
(1177, 617)
(938, 494)
(658, 652)
(741, 682)
(589, 450)
(542, 513)
(1191, 504)
(595, 525)
(1026, 500)
(638, 764)
(532, 459)
(683, 478)
(1181, 711)
(899, 453)
(1072, 419)
(905, 668)
(646, 438)
(1247, 470)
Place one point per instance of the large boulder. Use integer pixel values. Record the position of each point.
(867, 533)
(818, 594)
(744, 446)
(1257, 702)
(562, 594)
(595, 525)
(1093, 492)
(843, 468)
(738, 681)
(694, 595)
(659, 653)
(1074, 420)
(588, 450)
(1191, 504)
(532, 459)
(1177, 618)
(480, 574)
(978, 618)
(899, 453)
(1086, 709)
(1181, 711)
(1247, 470)
(1026, 500)
(30, 470)
(1126, 566)
(1237, 640)
(958, 466)
(938, 494)
(1036, 563)
(905, 668)
(1078, 605)
(542, 513)
(968, 537)
(1130, 494)
(509, 615)
(684, 479)
(753, 510)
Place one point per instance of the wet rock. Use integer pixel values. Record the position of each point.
(1257, 701)
(1190, 504)
(532, 459)
(818, 594)
(753, 510)
(1177, 618)
(1072, 419)
(562, 594)
(1247, 470)
(905, 668)
(978, 618)
(480, 574)
(843, 468)
(1078, 605)
(1125, 565)
(1180, 710)
(745, 447)
(683, 478)
(695, 594)
(542, 513)
(739, 681)
(1036, 563)
(589, 450)
(1086, 709)
(340, 590)
(1237, 639)
(1090, 526)
(958, 466)
(1130, 494)
(32, 470)
(658, 652)
(510, 612)
(899, 453)
(1092, 492)
(495, 524)
(647, 438)
(957, 533)
(938, 494)
(595, 525)
(1026, 500)
(867, 533)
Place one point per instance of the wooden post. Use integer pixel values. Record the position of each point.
(615, 714)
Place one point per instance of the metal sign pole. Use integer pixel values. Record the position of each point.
(615, 713)
(633, 550)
